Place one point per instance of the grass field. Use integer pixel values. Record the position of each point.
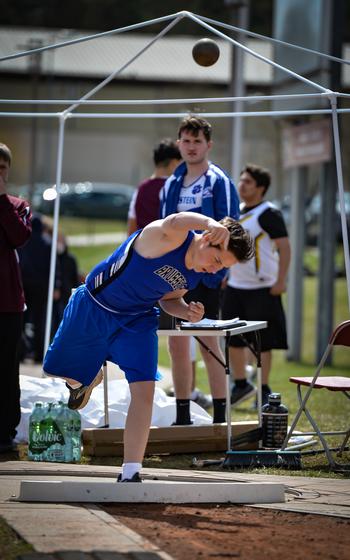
(11, 544)
(332, 411)
(80, 226)
(89, 256)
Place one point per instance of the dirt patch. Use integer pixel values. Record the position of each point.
(216, 532)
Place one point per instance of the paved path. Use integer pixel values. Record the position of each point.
(66, 528)
(86, 527)
(92, 533)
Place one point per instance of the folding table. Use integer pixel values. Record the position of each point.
(226, 333)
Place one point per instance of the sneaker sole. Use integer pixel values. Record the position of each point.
(244, 397)
(96, 381)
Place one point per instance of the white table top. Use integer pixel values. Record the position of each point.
(249, 327)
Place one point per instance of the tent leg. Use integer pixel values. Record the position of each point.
(338, 162)
(54, 235)
(105, 394)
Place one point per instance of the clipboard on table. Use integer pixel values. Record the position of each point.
(212, 324)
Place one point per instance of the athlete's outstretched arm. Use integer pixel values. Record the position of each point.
(183, 222)
(161, 236)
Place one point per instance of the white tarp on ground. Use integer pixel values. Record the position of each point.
(35, 389)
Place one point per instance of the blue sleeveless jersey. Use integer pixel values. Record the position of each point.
(128, 283)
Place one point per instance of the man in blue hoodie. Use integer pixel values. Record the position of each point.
(198, 185)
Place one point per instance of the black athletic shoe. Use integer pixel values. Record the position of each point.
(78, 398)
(135, 478)
(265, 392)
(203, 400)
(240, 394)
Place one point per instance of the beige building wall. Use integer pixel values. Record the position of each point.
(120, 150)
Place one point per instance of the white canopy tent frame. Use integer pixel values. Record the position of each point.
(175, 18)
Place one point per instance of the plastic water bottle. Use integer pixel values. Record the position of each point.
(36, 445)
(274, 422)
(64, 423)
(53, 434)
(76, 435)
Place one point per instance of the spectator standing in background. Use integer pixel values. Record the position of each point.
(254, 288)
(198, 185)
(15, 230)
(144, 207)
(69, 278)
(35, 266)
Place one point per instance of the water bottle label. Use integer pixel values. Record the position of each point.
(45, 436)
(274, 427)
(51, 435)
(54, 435)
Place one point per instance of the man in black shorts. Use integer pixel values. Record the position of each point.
(254, 288)
(198, 185)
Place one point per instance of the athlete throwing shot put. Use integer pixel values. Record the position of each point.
(113, 316)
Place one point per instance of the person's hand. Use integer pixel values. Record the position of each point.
(2, 185)
(278, 288)
(195, 311)
(217, 234)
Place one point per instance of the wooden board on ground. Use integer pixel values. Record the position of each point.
(102, 442)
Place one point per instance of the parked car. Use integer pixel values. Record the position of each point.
(85, 199)
(312, 218)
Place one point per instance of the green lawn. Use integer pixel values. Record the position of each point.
(11, 544)
(282, 369)
(331, 410)
(88, 257)
(80, 226)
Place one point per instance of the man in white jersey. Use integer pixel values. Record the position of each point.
(199, 185)
(254, 288)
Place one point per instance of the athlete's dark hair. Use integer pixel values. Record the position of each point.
(241, 245)
(260, 175)
(194, 125)
(165, 151)
(5, 153)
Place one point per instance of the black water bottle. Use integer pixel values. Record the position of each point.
(274, 422)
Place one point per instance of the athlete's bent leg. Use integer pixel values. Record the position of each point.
(138, 421)
(79, 394)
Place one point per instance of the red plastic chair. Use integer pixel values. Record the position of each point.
(340, 337)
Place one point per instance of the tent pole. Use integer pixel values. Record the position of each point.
(338, 162)
(62, 119)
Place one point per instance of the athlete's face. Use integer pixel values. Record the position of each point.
(248, 189)
(212, 259)
(193, 149)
